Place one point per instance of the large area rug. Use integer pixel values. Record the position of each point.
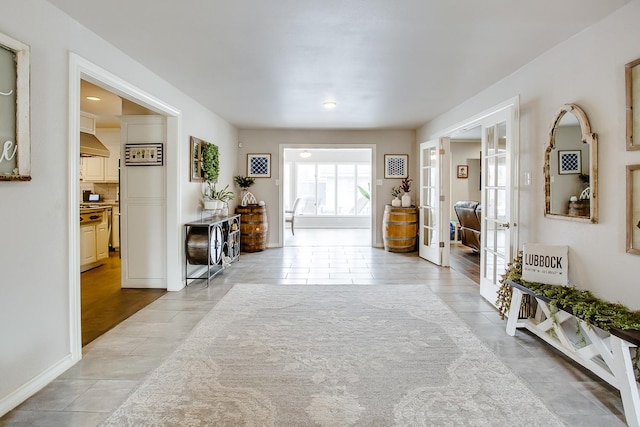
(332, 356)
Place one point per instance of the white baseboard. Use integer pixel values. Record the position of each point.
(27, 390)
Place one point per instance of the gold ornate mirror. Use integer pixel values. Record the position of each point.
(571, 167)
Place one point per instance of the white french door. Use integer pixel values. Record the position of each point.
(435, 159)
(497, 244)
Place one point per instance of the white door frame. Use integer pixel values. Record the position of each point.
(281, 149)
(82, 69)
(476, 120)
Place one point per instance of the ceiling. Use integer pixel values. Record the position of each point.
(387, 64)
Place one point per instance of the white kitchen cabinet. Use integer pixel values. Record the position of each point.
(115, 228)
(93, 169)
(94, 241)
(102, 241)
(88, 244)
(112, 162)
(87, 123)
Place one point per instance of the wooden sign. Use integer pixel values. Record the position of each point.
(545, 264)
(15, 146)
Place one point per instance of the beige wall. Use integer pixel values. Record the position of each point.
(269, 141)
(587, 69)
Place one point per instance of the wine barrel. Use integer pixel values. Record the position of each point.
(580, 208)
(253, 228)
(202, 250)
(399, 229)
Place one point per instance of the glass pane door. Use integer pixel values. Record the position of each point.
(495, 242)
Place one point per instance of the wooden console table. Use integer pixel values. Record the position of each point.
(212, 243)
(608, 354)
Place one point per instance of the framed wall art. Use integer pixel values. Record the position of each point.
(143, 154)
(15, 139)
(396, 165)
(569, 162)
(632, 83)
(633, 209)
(259, 165)
(462, 171)
(195, 160)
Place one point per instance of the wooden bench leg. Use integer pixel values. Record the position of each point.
(626, 380)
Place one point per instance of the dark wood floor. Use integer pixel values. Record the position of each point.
(465, 260)
(104, 303)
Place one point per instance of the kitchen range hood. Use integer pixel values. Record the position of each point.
(90, 146)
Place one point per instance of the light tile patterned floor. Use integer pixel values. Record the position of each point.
(117, 362)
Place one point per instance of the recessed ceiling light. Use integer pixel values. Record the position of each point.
(94, 98)
(329, 105)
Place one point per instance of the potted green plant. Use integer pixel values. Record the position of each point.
(244, 182)
(395, 192)
(406, 187)
(216, 200)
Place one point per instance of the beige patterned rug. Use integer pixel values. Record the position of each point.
(332, 356)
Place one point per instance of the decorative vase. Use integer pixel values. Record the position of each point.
(396, 202)
(406, 200)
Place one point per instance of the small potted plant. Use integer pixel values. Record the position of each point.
(217, 199)
(395, 192)
(244, 182)
(406, 187)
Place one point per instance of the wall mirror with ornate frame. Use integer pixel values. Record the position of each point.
(571, 167)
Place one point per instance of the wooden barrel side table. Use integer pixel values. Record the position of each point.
(400, 228)
(253, 227)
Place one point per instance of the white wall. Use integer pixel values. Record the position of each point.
(588, 70)
(268, 141)
(34, 259)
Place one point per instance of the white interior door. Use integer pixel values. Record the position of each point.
(435, 162)
(496, 226)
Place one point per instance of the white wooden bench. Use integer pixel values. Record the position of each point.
(606, 354)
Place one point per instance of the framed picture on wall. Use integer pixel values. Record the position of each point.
(632, 83)
(462, 171)
(15, 139)
(396, 165)
(569, 162)
(259, 165)
(633, 209)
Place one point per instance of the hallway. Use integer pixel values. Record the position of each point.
(116, 363)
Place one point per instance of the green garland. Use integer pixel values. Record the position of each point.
(583, 304)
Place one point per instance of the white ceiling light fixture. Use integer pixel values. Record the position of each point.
(329, 105)
(305, 154)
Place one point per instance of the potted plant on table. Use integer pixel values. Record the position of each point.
(395, 192)
(406, 187)
(244, 182)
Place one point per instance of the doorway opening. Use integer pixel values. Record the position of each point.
(493, 231)
(103, 301)
(465, 201)
(83, 70)
(327, 196)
